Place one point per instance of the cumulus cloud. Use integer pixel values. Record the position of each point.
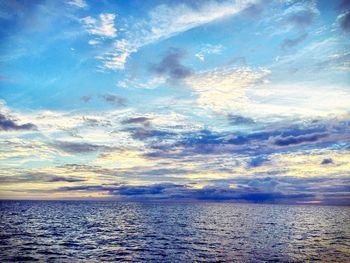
(102, 27)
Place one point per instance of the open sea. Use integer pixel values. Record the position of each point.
(108, 231)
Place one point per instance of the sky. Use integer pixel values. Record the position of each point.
(211, 100)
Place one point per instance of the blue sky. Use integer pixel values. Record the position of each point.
(244, 101)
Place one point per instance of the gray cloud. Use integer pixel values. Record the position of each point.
(114, 100)
(138, 120)
(239, 120)
(171, 65)
(327, 161)
(38, 178)
(293, 140)
(301, 19)
(344, 8)
(143, 133)
(6, 124)
(292, 42)
(75, 147)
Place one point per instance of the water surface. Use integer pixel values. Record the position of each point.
(88, 231)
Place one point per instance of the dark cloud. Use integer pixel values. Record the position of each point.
(143, 133)
(6, 124)
(344, 14)
(345, 21)
(327, 161)
(138, 120)
(258, 161)
(75, 147)
(171, 65)
(285, 189)
(292, 42)
(291, 140)
(145, 190)
(38, 178)
(240, 120)
(114, 100)
(269, 140)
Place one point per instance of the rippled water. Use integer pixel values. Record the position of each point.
(72, 231)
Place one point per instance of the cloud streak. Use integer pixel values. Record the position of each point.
(166, 21)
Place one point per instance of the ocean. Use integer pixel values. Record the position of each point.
(109, 231)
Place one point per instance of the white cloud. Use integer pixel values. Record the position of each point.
(102, 27)
(78, 3)
(208, 50)
(166, 21)
(224, 89)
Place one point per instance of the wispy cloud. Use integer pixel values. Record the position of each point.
(102, 27)
(165, 21)
(78, 3)
(208, 50)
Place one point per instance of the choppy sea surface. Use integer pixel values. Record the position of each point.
(90, 231)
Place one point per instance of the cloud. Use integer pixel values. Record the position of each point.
(293, 140)
(86, 98)
(144, 133)
(289, 190)
(338, 61)
(208, 49)
(327, 161)
(344, 20)
(224, 89)
(138, 120)
(256, 9)
(239, 120)
(104, 27)
(170, 65)
(292, 42)
(76, 147)
(257, 161)
(165, 21)
(7, 124)
(344, 16)
(78, 3)
(29, 177)
(114, 100)
(301, 14)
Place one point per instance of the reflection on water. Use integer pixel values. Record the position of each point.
(58, 231)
